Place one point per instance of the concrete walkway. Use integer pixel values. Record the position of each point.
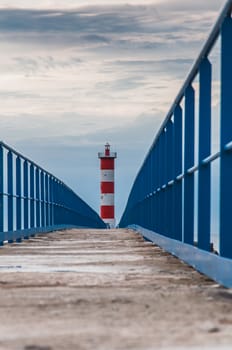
(106, 290)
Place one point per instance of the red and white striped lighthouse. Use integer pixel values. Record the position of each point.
(107, 186)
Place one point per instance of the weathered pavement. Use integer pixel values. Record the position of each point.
(104, 290)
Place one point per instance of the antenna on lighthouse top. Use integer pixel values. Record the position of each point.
(107, 153)
(107, 149)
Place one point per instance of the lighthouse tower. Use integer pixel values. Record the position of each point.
(107, 185)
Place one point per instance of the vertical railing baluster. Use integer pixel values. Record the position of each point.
(55, 201)
(46, 200)
(10, 192)
(42, 198)
(153, 198)
(51, 200)
(147, 195)
(165, 181)
(18, 195)
(178, 144)
(1, 195)
(159, 209)
(226, 137)
(156, 185)
(32, 196)
(26, 195)
(165, 177)
(204, 177)
(37, 189)
(170, 176)
(188, 163)
(162, 180)
(148, 192)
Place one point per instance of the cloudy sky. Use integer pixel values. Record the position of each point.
(78, 73)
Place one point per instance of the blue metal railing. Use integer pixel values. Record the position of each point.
(32, 200)
(162, 198)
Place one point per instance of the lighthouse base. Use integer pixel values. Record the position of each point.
(110, 223)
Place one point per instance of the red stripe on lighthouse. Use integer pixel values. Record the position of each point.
(107, 212)
(107, 187)
(107, 164)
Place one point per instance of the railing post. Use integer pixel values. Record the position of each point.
(178, 144)
(55, 198)
(226, 137)
(153, 198)
(51, 200)
(1, 197)
(170, 175)
(46, 200)
(188, 163)
(25, 186)
(162, 179)
(19, 195)
(32, 196)
(42, 199)
(165, 181)
(10, 190)
(37, 189)
(158, 195)
(204, 179)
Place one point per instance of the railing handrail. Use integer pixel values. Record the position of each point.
(165, 199)
(18, 154)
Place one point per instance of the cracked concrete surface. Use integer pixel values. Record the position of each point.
(107, 289)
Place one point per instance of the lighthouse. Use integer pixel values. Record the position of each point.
(107, 212)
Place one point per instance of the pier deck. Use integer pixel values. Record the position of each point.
(106, 289)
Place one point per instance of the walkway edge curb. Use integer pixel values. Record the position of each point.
(217, 268)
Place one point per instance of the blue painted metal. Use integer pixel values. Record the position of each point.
(18, 195)
(46, 201)
(204, 176)
(42, 199)
(32, 196)
(25, 187)
(188, 163)
(51, 201)
(37, 190)
(170, 176)
(212, 265)
(178, 129)
(171, 197)
(1, 196)
(10, 190)
(40, 203)
(226, 137)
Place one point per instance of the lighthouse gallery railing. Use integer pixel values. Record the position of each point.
(32, 200)
(162, 196)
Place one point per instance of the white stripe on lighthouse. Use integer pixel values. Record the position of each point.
(107, 199)
(111, 222)
(107, 175)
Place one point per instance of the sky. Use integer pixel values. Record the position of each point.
(76, 74)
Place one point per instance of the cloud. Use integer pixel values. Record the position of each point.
(192, 5)
(35, 65)
(75, 77)
(69, 4)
